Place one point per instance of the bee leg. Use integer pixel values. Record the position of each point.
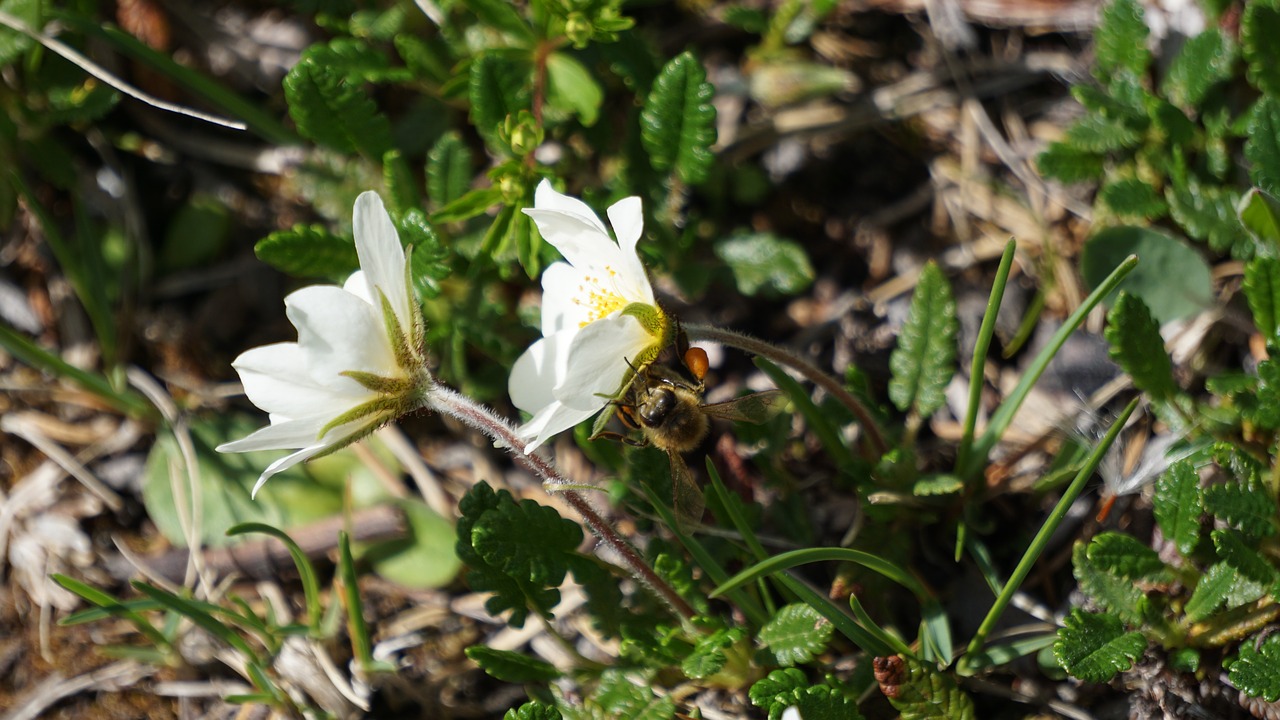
(621, 438)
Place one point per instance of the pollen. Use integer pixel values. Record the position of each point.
(599, 297)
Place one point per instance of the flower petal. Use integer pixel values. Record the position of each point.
(627, 218)
(546, 197)
(275, 380)
(549, 421)
(337, 332)
(381, 254)
(563, 307)
(597, 361)
(537, 371)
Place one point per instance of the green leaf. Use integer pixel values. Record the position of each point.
(425, 558)
(1099, 134)
(534, 711)
(924, 361)
(796, 635)
(1262, 147)
(1262, 290)
(621, 697)
(422, 58)
(1243, 506)
(765, 263)
(677, 124)
(512, 666)
(1256, 670)
(79, 102)
(429, 262)
(502, 538)
(1069, 163)
(822, 702)
(1120, 41)
(1204, 61)
(1114, 593)
(1213, 588)
(1160, 258)
(448, 170)
(1126, 557)
(1094, 647)
(499, 86)
(920, 691)
(1260, 214)
(1137, 346)
(13, 43)
(1248, 563)
(356, 60)
(1133, 198)
(1178, 507)
(571, 88)
(1259, 28)
(402, 189)
(778, 690)
(1267, 397)
(502, 16)
(468, 205)
(1208, 214)
(308, 251)
(330, 110)
(708, 656)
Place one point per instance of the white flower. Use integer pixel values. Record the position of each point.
(358, 362)
(598, 315)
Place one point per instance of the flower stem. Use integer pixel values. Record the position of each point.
(454, 404)
(746, 343)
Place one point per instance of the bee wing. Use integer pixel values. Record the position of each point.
(687, 496)
(754, 408)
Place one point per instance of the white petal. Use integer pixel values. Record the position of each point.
(549, 421)
(275, 379)
(381, 254)
(546, 197)
(597, 361)
(285, 463)
(337, 332)
(627, 218)
(358, 285)
(563, 307)
(281, 435)
(791, 713)
(537, 371)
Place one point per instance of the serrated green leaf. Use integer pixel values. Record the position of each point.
(1260, 214)
(1178, 507)
(1123, 101)
(1120, 41)
(1259, 28)
(429, 262)
(1124, 556)
(919, 691)
(1097, 133)
(533, 711)
(620, 697)
(1204, 61)
(448, 170)
(1208, 214)
(356, 60)
(502, 538)
(1243, 506)
(402, 190)
(796, 635)
(1133, 198)
(677, 124)
(764, 262)
(1094, 647)
(330, 110)
(933, 485)
(1266, 412)
(1248, 563)
(422, 59)
(1136, 345)
(1173, 127)
(308, 251)
(512, 666)
(1262, 290)
(1211, 591)
(708, 655)
(924, 361)
(1262, 147)
(499, 86)
(778, 690)
(1069, 163)
(572, 89)
(1256, 670)
(1114, 593)
(822, 702)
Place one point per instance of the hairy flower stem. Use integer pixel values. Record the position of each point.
(781, 356)
(456, 405)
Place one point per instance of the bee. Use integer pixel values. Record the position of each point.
(669, 410)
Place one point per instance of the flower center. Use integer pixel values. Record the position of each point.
(599, 299)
